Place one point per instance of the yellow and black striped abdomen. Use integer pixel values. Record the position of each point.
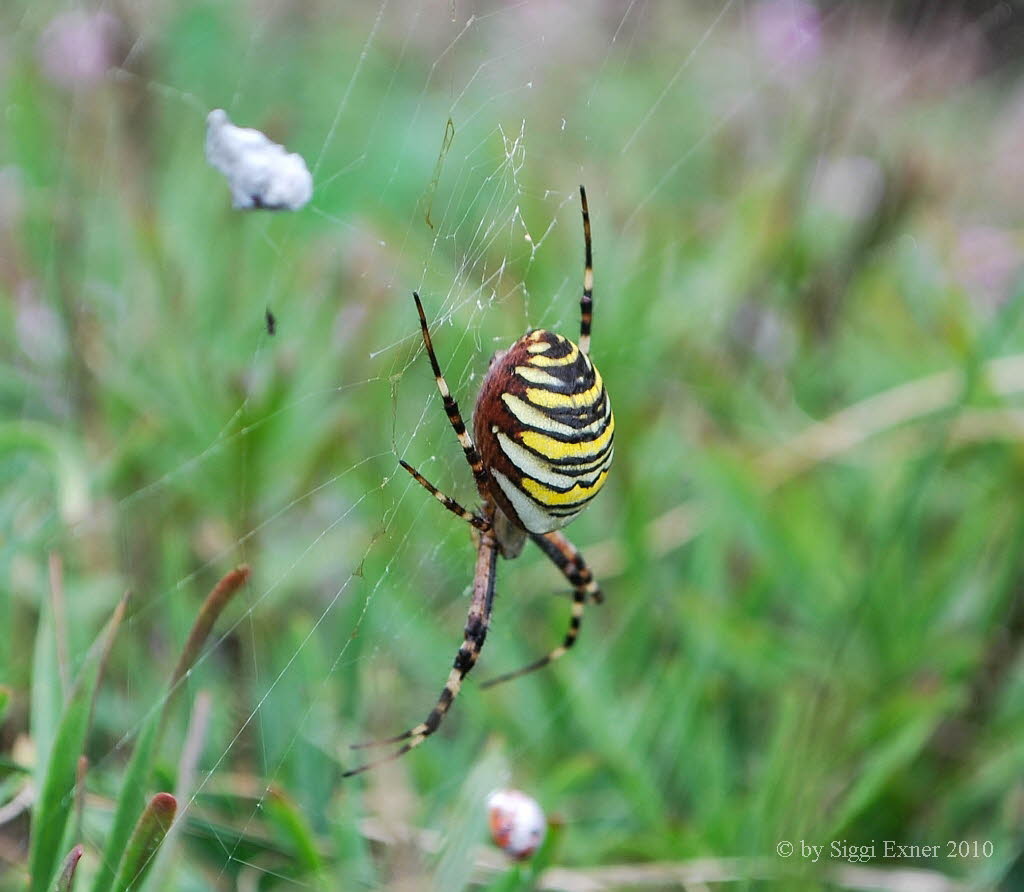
(544, 428)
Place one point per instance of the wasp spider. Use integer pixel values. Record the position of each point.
(540, 451)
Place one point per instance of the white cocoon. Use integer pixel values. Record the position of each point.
(260, 173)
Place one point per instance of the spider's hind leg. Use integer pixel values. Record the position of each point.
(564, 555)
(473, 641)
(415, 736)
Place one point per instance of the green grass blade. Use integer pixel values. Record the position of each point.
(468, 821)
(61, 454)
(295, 829)
(55, 801)
(46, 697)
(145, 841)
(219, 598)
(66, 880)
(133, 790)
(130, 802)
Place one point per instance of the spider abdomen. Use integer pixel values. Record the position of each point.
(544, 428)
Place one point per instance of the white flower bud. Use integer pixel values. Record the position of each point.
(517, 822)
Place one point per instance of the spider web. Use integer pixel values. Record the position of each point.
(463, 189)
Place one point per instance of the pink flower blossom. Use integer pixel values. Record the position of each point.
(37, 327)
(78, 48)
(788, 32)
(987, 261)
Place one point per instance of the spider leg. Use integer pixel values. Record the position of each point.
(567, 558)
(587, 301)
(476, 631)
(447, 501)
(452, 408)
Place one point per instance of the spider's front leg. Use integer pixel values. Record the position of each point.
(476, 632)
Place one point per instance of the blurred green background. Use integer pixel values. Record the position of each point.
(808, 246)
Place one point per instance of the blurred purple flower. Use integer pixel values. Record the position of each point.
(987, 261)
(37, 327)
(77, 48)
(788, 33)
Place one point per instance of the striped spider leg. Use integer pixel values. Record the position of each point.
(564, 555)
(478, 620)
(482, 602)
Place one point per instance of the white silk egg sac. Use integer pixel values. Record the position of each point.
(260, 173)
(516, 821)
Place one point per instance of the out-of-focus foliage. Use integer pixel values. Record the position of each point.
(808, 249)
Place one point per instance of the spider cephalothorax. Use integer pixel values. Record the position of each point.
(540, 451)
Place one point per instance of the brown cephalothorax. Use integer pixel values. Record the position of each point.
(541, 449)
